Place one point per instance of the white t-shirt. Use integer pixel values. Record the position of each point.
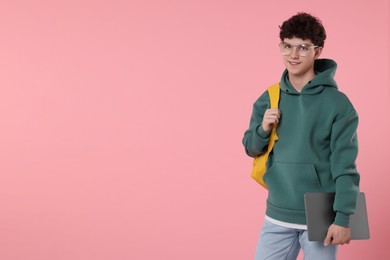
(286, 224)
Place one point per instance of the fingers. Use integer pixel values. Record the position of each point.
(337, 235)
(341, 241)
(328, 238)
(271, 117)
(272, 113)
(337, 242)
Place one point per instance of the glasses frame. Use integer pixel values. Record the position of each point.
(301, 51)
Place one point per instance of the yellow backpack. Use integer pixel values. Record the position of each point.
(259, 163)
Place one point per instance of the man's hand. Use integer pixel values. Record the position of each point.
(271, 117)
(337, 235)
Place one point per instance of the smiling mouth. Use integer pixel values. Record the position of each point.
(294, 63)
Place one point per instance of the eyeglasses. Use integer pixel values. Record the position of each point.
(303, 49)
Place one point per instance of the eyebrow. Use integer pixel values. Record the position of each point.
(304, 43)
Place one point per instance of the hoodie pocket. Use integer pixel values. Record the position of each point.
(288, 182)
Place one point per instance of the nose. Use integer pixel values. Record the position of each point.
(295, 52)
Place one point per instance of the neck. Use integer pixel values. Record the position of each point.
(298, 81)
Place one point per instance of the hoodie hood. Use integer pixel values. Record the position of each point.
(325, 70)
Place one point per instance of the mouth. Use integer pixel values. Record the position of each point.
(293, 63)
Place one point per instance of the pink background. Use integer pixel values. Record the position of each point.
(121, 123)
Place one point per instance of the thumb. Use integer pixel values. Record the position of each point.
(328, 238)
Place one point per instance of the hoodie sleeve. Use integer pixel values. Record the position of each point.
(255, 138)
(344, 150)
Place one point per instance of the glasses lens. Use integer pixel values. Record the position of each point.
(285, 48)
(303, 49)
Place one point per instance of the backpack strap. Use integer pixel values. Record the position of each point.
(260, 162)
(274, 95)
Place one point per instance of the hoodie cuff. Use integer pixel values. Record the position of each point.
(261, 133)
(341, 219)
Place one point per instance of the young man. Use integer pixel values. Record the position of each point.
(316, 149)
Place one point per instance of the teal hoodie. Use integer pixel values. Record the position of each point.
(316, 150)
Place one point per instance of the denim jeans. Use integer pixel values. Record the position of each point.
(281, 243)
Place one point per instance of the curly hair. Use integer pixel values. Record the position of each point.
(304, 26)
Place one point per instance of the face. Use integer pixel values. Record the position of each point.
(300, 62)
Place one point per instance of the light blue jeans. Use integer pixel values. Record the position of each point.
(281, 243)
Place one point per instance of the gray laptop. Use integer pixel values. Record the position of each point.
(320, 215)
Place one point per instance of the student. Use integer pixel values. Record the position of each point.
(316, 149)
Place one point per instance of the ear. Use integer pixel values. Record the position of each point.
(318, 52)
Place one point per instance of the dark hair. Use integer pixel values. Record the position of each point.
(304, 26)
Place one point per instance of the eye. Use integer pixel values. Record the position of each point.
(287, 46)
(303, 47)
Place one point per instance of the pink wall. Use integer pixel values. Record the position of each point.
(121, 123)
